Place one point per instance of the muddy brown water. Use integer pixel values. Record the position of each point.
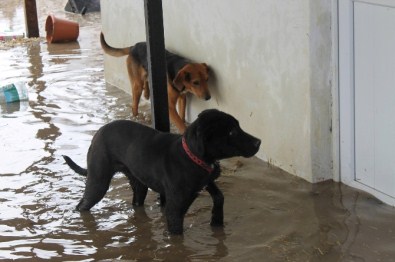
(269, 214)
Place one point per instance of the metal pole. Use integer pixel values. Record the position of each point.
(157, 64)
(31, 19)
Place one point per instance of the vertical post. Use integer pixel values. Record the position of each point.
(31, 19)
(157, 64)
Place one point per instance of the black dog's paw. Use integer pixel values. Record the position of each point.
(175, 230)
(217, 222)
(137, 204)
(83, 206)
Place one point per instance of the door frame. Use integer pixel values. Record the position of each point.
(346, 96)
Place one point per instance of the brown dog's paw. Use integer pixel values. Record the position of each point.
(146, 93)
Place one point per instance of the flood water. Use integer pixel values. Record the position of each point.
(269, 214)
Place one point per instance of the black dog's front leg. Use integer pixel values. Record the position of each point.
(217, 218)
(175, 219)
(176, 207)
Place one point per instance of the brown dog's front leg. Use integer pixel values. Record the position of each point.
(182, 101)
(175, 118)
(136, 82)
(217, 218)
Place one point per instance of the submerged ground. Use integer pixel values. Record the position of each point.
(269, 214)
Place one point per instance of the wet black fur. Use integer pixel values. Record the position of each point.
(156, 160)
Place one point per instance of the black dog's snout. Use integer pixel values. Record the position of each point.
(257, 143)
(249, 144)
(207, 97)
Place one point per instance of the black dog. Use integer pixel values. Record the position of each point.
(176, 166)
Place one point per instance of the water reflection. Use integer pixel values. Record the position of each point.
(12, 15)
(68, 51)
(10, 108)
(141, 235)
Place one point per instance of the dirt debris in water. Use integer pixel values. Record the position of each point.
(6, 45)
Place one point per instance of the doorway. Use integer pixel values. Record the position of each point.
(367, 96)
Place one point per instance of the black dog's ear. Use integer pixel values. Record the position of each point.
(207, 120)
(209, 112)
(195, 137)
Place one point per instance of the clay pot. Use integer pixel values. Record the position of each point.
(61, 30)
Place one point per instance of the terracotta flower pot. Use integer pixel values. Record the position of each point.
(61, 30)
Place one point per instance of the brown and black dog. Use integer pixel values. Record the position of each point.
(183, 76)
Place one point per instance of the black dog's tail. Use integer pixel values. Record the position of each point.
(75, 167)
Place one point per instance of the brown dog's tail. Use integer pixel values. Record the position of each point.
(112, 51)
(75, 167)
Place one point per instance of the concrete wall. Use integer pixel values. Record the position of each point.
(271, 63)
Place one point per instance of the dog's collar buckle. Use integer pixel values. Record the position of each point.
(197, 160)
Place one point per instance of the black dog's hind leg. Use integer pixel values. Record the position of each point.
(97, 184)
(162, 200)
(139, 191)
(217, 213)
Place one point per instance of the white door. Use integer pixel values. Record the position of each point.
(367, 95)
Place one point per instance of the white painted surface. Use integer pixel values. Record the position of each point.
(123, 25)
(367, 81)
(272, 64)
(335, 93)
(374, 42)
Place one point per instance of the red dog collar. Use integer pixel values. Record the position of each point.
(195, 159)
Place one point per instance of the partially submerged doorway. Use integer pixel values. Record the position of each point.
(367, 96)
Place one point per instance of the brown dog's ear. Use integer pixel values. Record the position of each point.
(178, 81)
(206, 66)
(187, 76)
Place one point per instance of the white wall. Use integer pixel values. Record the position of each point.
(272, 68)
(123, 25)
